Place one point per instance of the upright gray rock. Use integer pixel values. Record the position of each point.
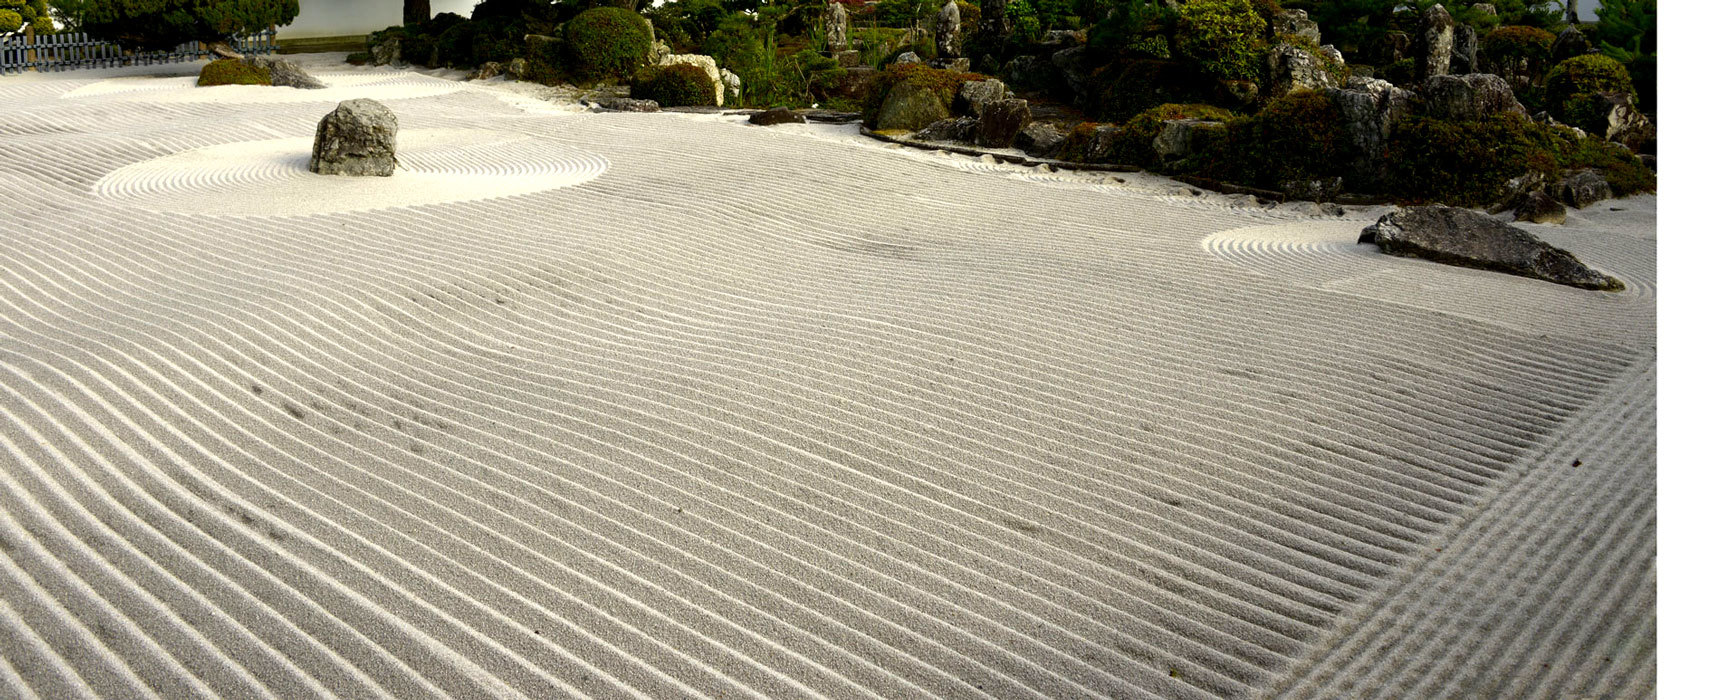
(1072, 63)
(1182, 138)
(836, 28)
(1616, 119)
(1001, 121)
(1489, 9)
(1393, 47)
(972, 97)
(1539, 208)
(1571, 42)
(285, 73)
(1469, 97)
(1581, 188)
(387, 53)
(1465, 57)
(1436, 43)
(358, 138)
(1467, 238)
(1298, 23)
(949, 31)
(1292, 68)
(1039, 139)
(1369, 109)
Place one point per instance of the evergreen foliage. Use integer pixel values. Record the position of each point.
(1223, 37)
(163, 24)
(607, 43)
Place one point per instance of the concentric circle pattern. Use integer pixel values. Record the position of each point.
(755, 414)
(271, 178)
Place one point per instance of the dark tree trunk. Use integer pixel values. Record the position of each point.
(1570, 13)
(416, 11)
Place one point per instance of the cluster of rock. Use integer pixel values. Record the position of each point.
(985, 114)
(285, 73)
(1468, 238)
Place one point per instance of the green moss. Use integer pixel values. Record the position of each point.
(1624, 171)
(680, 85)
(232, 72)
(906, 79)
(1295, 137)
(1223, 37)
(1572, 84)
(359, 58)
(1505, 45)
(607, 43)
(1189, 111)
(1128, 87)
(1076, 144)
(1467, 163)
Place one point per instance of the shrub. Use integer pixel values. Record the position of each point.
(232, 72)
(1624, 172)
(1508, 45)
(1188, 111)
(1224, 37)
(679, 85)
(456, 46)
(1130, 87)
(607, 43)
(162, 24)
(1467, 163)
(1295, 137)
(1572, 84)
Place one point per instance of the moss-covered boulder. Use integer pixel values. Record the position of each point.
(544, 59)
(1572, 84)
(910, 96)
(233, 72)
(677, 85)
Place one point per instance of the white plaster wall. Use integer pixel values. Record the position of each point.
(350, 17)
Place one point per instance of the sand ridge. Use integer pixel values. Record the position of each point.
(759, 414)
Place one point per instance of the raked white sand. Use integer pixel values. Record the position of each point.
(663, 406)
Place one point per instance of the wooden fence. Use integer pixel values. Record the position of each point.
(55, 52)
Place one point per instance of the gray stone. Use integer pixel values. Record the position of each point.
(659, 53)
(387, 53)
(1182, 138)
(1240, 93)
(1571, 42)
(1464, 58)
(1539, 208)
(1312, 190)
(1297, 23)
(959, 129)
(1436, 43)
(1393, 47)
(285, 73)
(948, 34)
(358, 138)
(959, 65)
(731, 82)
(1292, 68)
(974, 94)
(1581, 188)
(836, 28)
(1072, 64)
(1369, 109)
(847, 59)
(909, 106)
(1469, 97)
(1489, 9)
(625, 104)
(1617, 120)
(774, 116)
(907, 57)
(1039, 139)
(1001, 121)
(488, 70)
(1467, 238)
(517, 68)
(1062, 38)
(1100, 144)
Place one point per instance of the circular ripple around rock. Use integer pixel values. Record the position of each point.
(183, 89)
(270, 178)
(1326, 255)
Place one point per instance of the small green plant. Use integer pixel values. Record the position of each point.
(232, 72)
(1224, 37)
(607, 43)
(679, 85)
(1572, 84)
(1295, 137)
(1518, 43)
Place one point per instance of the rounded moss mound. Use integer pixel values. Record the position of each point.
(607, 43)
(912, 95)
(1516, 43)
(680, 85)
(232, 72)
(1296, 137)
(1572, 84)
(1223, 37)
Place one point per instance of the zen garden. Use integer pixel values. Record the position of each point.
(828, 348)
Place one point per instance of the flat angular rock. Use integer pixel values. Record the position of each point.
(1539, 208)
(974, 94)
(1181, 138)
(359, 138)
(627, 104)
(961, 129)
(1467, 238)
(1469, 97)
(286, 73)
(1581, 188)
(777, 115)
(1039, 139)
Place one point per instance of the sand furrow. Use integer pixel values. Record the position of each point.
(656, 405)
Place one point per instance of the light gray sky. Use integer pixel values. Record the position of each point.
(346, 17)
